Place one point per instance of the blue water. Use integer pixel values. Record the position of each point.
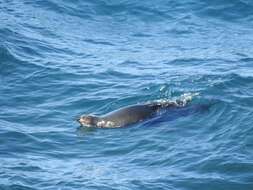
(63, 58)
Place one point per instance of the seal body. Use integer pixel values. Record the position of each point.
(125, 116)
(130, 115)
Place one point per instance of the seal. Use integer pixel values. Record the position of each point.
(128, 115)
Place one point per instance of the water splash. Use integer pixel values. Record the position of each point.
(186, 98)
(181, 100)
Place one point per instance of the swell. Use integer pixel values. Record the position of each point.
(59, 59)
(150, 11)
(11, 64)
(132, 12)
(231, 11)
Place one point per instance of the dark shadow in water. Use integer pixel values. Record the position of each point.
(173, 114)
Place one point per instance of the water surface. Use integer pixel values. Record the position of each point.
(62, 58)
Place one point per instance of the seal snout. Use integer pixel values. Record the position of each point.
(78, 119)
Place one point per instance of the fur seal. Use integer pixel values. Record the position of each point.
(128, 115)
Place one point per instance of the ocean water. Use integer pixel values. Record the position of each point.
(63, 58)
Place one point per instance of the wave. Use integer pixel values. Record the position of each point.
(227, 10)
(60, 59)
(148, 11)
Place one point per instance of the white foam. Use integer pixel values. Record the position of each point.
(182, 100)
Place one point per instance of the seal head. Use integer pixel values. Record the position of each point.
(88, 120)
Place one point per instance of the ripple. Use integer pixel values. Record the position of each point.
(59, 60)
(228, 11)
